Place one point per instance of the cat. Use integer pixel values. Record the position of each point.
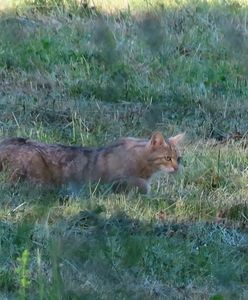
(128, 162)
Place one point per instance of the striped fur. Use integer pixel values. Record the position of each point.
(129, 161)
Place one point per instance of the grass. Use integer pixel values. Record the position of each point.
(88, 74)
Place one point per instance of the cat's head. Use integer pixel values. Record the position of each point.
(163, 155)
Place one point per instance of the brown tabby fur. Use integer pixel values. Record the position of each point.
(128, 161)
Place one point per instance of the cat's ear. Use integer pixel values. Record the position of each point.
(156, 140)
(177, 139)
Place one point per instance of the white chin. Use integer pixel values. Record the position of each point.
(168, 170)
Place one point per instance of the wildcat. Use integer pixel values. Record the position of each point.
(128, 161)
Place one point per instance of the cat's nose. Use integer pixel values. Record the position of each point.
(172, 169)
(175, 167)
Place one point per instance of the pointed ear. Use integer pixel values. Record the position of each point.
(156, 140)
(177, 139)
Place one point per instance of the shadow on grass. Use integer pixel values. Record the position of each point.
(167, 254)
(94, 253)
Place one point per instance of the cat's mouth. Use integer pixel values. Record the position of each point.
(168, 169)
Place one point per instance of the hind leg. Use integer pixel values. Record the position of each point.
(15, 177)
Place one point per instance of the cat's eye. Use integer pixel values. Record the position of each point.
(179, 159)
(168, 158)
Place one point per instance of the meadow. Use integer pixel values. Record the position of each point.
(89, 72)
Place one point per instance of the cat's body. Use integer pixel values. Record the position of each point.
(128, 161)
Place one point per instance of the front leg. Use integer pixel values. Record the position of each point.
(124, 185)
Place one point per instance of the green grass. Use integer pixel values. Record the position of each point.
(84, 74)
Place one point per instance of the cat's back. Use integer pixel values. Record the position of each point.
(13, 146)
(19, 142)
(24, 148)
(128, 143)
(14, 141)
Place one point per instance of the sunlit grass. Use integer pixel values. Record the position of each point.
(114, 6)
